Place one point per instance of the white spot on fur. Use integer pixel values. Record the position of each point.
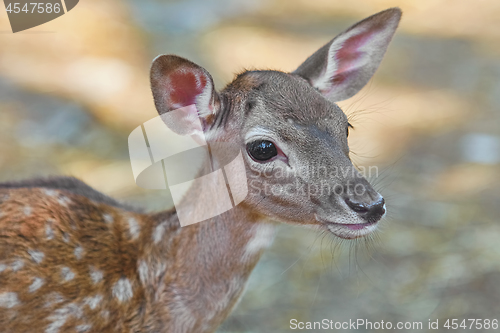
(64, 201)
(78, 252)
(150, 271)
(49, 232)
(37, 256)
(108, 218)
(96, 275)
(122, 290)
(58, 320)
(160, 269)
(53, 298)
(37, 283)
(66, 237)
(50, 192)
(60, 316)
(8, 300)
(27, 210)
(17, 265)
(93, 302)
(3, 267)
(67, 274)
(159, 231)
(134, 227)
(143, 271)
(262, 238)
(83, 328)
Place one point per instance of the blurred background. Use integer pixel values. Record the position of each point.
(72, 90)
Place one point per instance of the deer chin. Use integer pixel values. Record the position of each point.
(348, 230)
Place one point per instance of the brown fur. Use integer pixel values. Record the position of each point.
(109, 248)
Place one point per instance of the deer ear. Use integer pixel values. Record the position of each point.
(343, 66)
(181, 85)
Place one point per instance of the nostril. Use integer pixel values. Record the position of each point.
(371, 212)
(378, 207)
(376, 211)
(356, 206)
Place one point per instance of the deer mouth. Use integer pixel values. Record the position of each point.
(349, 230)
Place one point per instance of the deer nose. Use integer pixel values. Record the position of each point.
(371, 212)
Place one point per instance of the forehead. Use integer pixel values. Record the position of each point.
(288, 97)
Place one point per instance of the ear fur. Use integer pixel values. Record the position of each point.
(181, 85)
(345, 64)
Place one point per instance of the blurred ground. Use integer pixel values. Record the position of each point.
(72, 90)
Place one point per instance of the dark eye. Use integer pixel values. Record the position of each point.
(347, 129)
(262, 150)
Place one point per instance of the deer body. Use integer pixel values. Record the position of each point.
(75, 260)
(88, 266)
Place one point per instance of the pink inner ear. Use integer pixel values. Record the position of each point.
(184, 86)
(350, 57)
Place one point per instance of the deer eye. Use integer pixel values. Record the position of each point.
(262, 150)
(347, 129)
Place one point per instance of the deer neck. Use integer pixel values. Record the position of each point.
(198, 272)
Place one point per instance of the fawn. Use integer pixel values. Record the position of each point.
(75, 260)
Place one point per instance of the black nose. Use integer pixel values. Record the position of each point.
(371, 212)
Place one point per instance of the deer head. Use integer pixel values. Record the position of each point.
(292, 134)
